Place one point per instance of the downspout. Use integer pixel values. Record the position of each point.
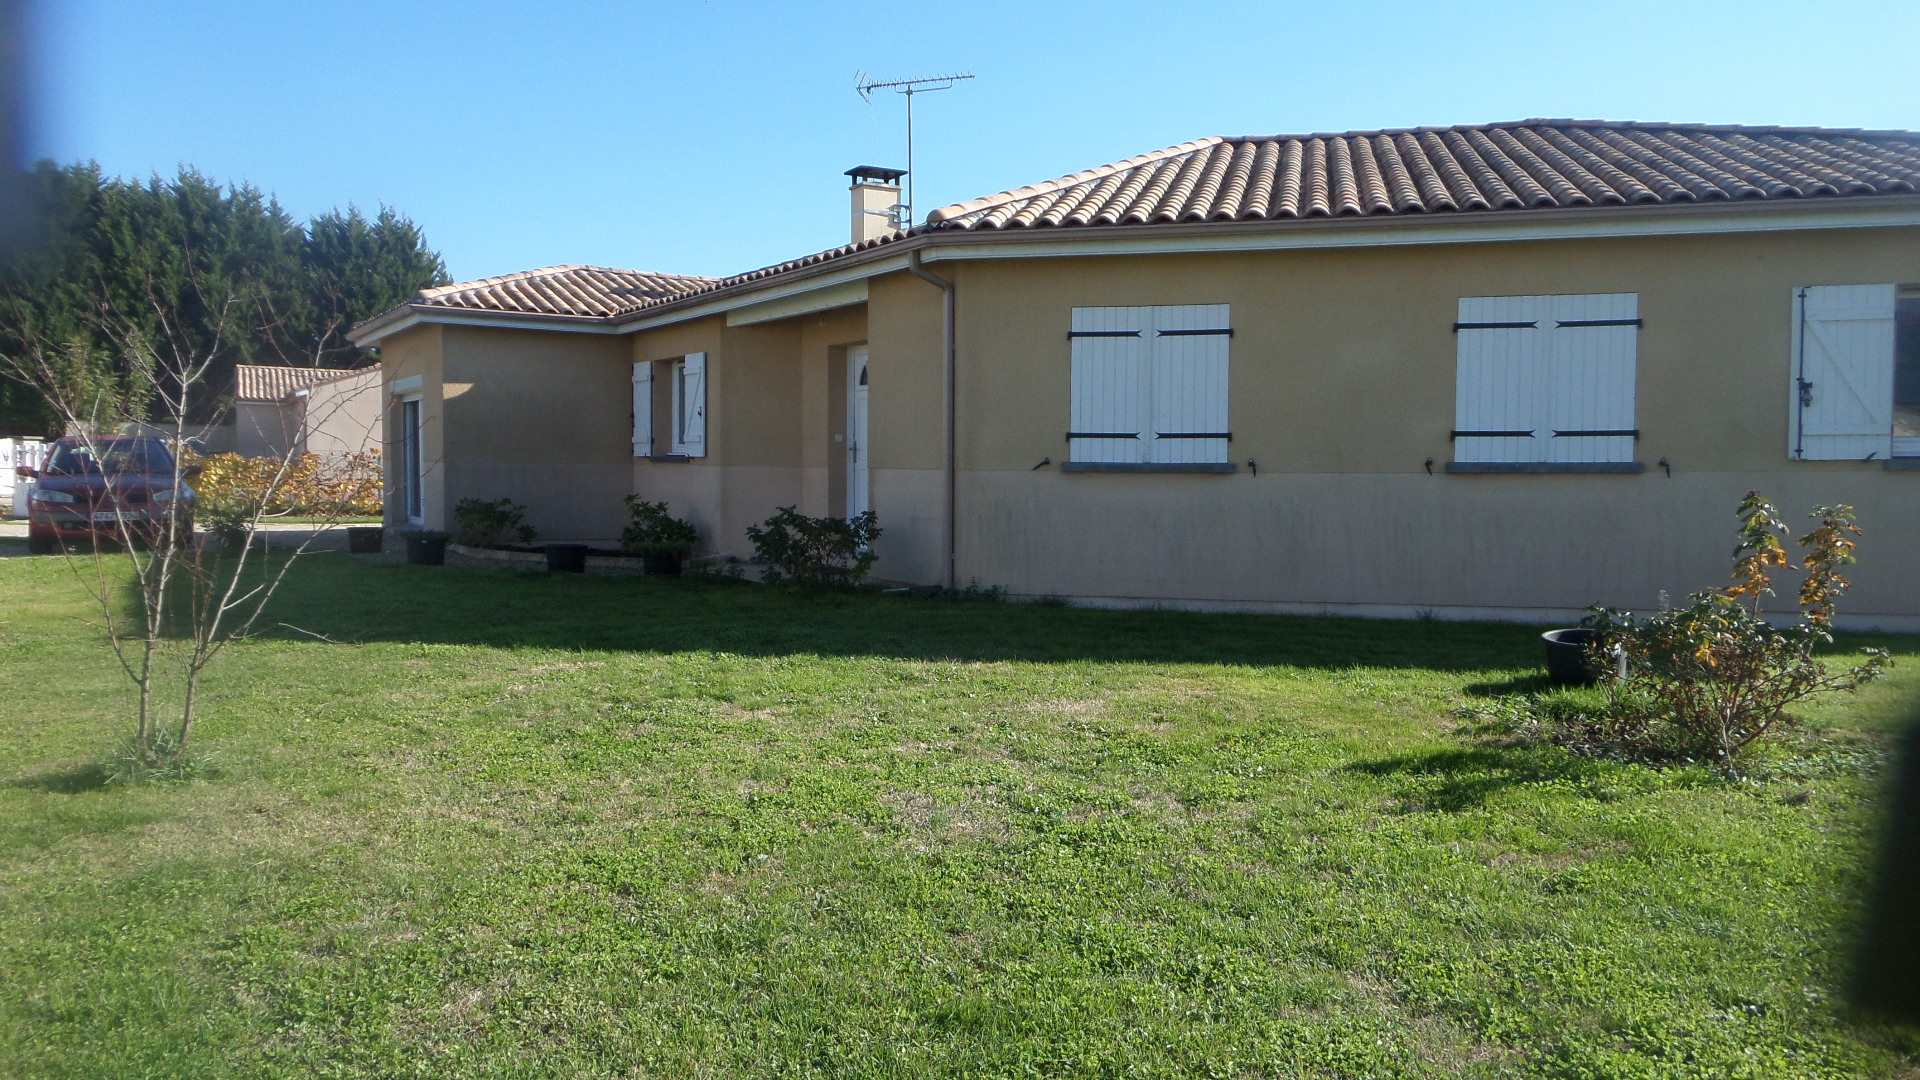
(947, 543)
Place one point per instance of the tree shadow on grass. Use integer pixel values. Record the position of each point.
(346, 600)
(1536, 683)
(73, 781)
(1452, 781)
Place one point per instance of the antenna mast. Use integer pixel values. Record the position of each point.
(909, 87)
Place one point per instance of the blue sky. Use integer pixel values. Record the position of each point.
(709, 136)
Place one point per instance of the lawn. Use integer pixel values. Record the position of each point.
(516, 825)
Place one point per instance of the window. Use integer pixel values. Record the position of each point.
(1149, 389)
(670, 395)
(412, 461)
(1855, 393)
(1546, 383)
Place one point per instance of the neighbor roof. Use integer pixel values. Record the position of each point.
(264, 382)
(1534, 164)
(572, 289)
(1415, 173)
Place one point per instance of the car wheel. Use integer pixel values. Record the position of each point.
(38, 544)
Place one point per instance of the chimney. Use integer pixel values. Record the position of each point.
(876, 201)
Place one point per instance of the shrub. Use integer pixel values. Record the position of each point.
(231, 492)
(812, 550)
(654, 531)
(1709, 680)
(479, 523)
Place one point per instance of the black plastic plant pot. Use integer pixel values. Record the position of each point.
(366, 539)
(1571, 660)
(661, 562)
(567, 558)
(427, 550)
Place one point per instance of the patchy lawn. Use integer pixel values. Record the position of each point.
(509, 824)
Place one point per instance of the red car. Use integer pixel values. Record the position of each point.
(89, 489)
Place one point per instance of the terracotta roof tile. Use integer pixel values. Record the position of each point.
(1533, 164)
(1488, 168)
(272, 382)
(562, 290)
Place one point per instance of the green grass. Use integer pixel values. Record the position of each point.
(512, 824)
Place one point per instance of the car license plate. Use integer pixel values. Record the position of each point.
(108, 516)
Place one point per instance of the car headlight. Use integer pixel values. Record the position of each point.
(46, 496)
(165, 496)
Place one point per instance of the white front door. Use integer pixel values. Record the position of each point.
(858, 498)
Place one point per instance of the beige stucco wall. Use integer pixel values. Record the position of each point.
(1342, 387)
(543, 419)
(342, 416)
(774, 407)
(415, 353)
(905, 427)
(263, 428)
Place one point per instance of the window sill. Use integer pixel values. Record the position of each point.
(1546, 467)
(1147, 467)
(662, 459)
(1904, 464)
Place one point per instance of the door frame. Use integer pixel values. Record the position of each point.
(859, 425)
(413, 460)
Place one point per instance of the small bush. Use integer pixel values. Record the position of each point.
(479, 523)
(654, 531)
(975, 593)
(815, 551)
(1707, 681)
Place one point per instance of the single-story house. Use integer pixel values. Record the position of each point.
(323, 411)
(1497, 371)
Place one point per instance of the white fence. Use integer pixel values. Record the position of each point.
(13, 489)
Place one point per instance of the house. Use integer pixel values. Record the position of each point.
(1499, 371)
(305, 410)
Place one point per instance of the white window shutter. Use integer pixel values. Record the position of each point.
(642, 409)
(1501, 379)
(1189, 385)
(1109, 417)
(1842, 388)
(693, 435)
(1593, 342)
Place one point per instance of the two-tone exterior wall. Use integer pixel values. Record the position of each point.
(539, 418)
(775, 423)
(1342, 389)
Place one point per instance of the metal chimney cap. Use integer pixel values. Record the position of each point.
(876, 173)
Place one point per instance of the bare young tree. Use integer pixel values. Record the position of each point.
(190, 596)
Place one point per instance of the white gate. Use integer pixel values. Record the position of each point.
(13, 489)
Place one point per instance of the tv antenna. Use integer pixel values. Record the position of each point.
(909, 87)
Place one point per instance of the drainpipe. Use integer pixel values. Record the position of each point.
(947, 393)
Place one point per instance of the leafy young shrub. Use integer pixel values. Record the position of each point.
(1709, 680)
(813, 550)
(479, 523)
(654, 531)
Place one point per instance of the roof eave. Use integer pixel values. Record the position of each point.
(408, 315)
(1344, 231)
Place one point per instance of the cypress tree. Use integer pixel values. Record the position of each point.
(187, 264)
